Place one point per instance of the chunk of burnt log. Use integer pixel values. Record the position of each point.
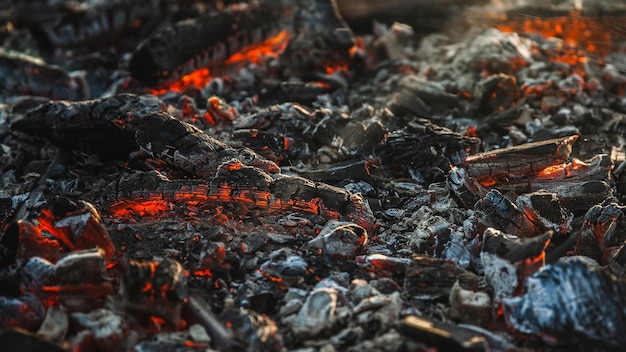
(94, 24)
(321, 37)
(525, 159)
(497, 211)
(189, 149)
(443, 336)
(572, 295)
(545, 211)
(151, 193)
(104, 126)
(205, 41)
(62, 226)
(422, 144)
(27, 75)
(116, 126)
(339, 240)
(432, 279)
(157, 288)
(508, 260)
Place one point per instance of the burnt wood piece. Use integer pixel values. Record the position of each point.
(525, 159)
(442, 336)
(497, 211)
(423, 144)
(104, 126)
(430, 278)
(187, 148)
(321, 37)
(113, 127)
(93, 24)
(574, 302)
(205, 41)
(26, 75)
(234, 183)
(422, 15)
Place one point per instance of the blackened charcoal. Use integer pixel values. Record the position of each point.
(407, 103)
(321, 37)
(443, 336)
(205, 41)
(20, 340)
(25, 312)
(317, 312)
(515, 249)
(104, 126)
(422, 144)
(94, 24)
(433, 279)
(187, 148)
(156, 288)
(571, 302)
(271, 145)
(26, 75)
(358, 170)
(253, 331)
(339, 240)
(545, 211)
(496, 211)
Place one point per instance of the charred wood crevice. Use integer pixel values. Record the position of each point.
(321, 37)
(90, 24)
(237, 184)
(27, 75)
(422, 145)
(205, 41)
(104, 126)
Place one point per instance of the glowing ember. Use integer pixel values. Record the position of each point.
(270, 48)
(590, 33)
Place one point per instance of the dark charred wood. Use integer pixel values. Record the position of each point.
(423, 144)
(187, 148)
(238, 184)
(26, 75)
(104, 126)
(422, 15)
(496, 211)
(515, 249)
(580, 291)
(432, 279)
(442, 336)
(321, 37)
(197, 310)
(525, 159)
(206, 41)
(116, 126)
(93, 25)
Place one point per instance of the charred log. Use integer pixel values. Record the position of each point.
(206, 41)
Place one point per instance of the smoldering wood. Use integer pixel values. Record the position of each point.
(187, 148)
(496, 211)
(248, 186)
(525, 159)
(196, 309)
(117, 126)
(205, 41)
(27, 75)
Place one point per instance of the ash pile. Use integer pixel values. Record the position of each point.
(304, 176)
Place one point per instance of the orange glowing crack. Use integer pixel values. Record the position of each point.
(590, 33)
(270, 48)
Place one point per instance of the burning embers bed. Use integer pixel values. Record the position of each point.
(188, 175)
